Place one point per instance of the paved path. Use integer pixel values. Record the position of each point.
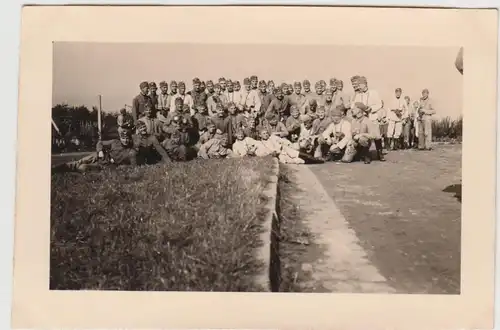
(343, 265)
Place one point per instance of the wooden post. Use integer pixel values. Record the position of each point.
(99, 118)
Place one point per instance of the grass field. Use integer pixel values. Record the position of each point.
(179, 227)
(406, 213)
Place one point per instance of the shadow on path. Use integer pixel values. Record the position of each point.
(455, 189)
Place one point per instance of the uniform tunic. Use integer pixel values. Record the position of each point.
(243, 147)
(146, 144)
(339, 134)
(186, 98)
(139, 105)
(214, 149)
(118, 153)
(293, 125)
(224, 124)
(320, 125)
(153, 126)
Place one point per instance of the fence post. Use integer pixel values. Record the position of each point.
(99, 118)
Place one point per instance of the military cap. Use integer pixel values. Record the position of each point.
(144, 84)
(125, 133)
(333, 81)
(253, 78)
(297, 84)
(278, 90)
(318, 83)
(398, 89)
(196, 81)
(217, 85)
(270, 82)
(425, 90)
(179, 100)
(236, 83)
(152, 84)
(246, 81)
(173, 83)
(336, 113)
(322, 82)
(181, 83)
(163, 83)
(294, 107)
(283, 85)
(339, 82)
(313, 102)
(123, 111)
(362, 80)
(271, 115)
(306, 82)
(229, 82)
(210, 82)
(354, 78)
(219, 106)
(262, 83)
(221, 79)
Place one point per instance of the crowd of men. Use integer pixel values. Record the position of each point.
(290, 121)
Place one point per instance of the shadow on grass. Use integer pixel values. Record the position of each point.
(455, 189)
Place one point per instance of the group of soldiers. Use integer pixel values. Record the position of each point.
(289, 121)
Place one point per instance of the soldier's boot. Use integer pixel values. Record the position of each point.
(366, 156)
(310, 159)
(378, 146)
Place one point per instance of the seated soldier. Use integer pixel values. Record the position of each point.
(222, 122)
(308, 142)
(335, 138)
(207, 135)
(293, 122)
(244, 145)
(149, 149)
(176, 112)
(274, 126)
(117, 152)
(216, 148)
(359, 146)
(201, 118)
(124, 120)
(321, 123)
(153, 125)
(250, 128)
(175, 149)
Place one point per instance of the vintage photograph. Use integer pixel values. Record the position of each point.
(256, 167)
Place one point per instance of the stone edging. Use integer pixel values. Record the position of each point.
(267, 253)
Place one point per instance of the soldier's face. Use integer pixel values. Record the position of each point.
(224, 141)
(318, 89)
(220, 111)
(362, 86)
(264, 135)
(174, 88)
(329, 97)
(271, 86)
(217, 90)
(295, 114)
(230, 87)
(145, 90)
(425, 94)
(237, 87)
(279, 95)
(308, 124)
(307, 87)
(285, 89)
(125, 140)
(254, 84)
(223, 85)
(321, 114)
(398, 94)
(340, 86)
(147, 112)
(407, 99)
(185, 108)
(210, 88)
(313, 107)
(273, 122)
(202, 87)
(263, 88)
(164, 89)
(290, 89)
(178, 106)
(182, 89)
(232, 109)
(152, 90)
(142, 130)
(196, 86)
(248, 87)
(240, 136)
(211, 129)
(298, 89)
(176, 139)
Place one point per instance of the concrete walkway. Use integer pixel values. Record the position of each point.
(343, 265)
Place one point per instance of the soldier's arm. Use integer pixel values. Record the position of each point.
(430, 110)
(203, 152)
(346, 129)
(104, 145)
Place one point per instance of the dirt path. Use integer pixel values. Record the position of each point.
(335, 261)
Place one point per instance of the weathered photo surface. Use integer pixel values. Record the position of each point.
(256, 167)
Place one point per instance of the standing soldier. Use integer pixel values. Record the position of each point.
(368, 100)
(254, 80)
(210, 88)
(231, 96)
(307, 87)
(270, 87)
(153, 96)
(265, 98)
(186, 98)
(217, 98)
(339, 97)
(164, 100)
(152, 124)
(396, 112)
(198, 97)
(319, 96)
(329, 105)
(139, 102)
(297, 98)
(203, 87)
(426, 111)
(173, 88)
(408, 124)
(222, 83)
(237, 86)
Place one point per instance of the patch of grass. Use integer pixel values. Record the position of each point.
(295, 236)
(447, 129)
(178, 227)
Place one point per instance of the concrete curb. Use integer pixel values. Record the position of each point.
(267, 253)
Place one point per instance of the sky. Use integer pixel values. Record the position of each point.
(82, 71)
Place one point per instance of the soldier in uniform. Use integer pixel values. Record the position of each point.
(216, 148)
(265, 97)
(297, 98)
(124, 120)
(164, 101)
(117, 152)
(139, 102)
(426, 111)
(198, 97)
(149, 150)
(173, 88)
(396, 113)
(153, 125)
(280, 105)
(153, 96)
(186, 98)
(361, 138)
(335, 138)
(210, 88)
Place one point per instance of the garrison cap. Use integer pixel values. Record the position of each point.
(196, 81)
(246, 81)
(152, 84)
(163, 83)
(362, 80)
(210, 82)
(254, 78)
(173, 83)
(398, 89)
(179, 100)
(262, 83)
(306, 82)
(297, 84)
(181, 83)
(143, 84)
(221, 79)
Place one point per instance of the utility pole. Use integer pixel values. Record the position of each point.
(99, 118)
